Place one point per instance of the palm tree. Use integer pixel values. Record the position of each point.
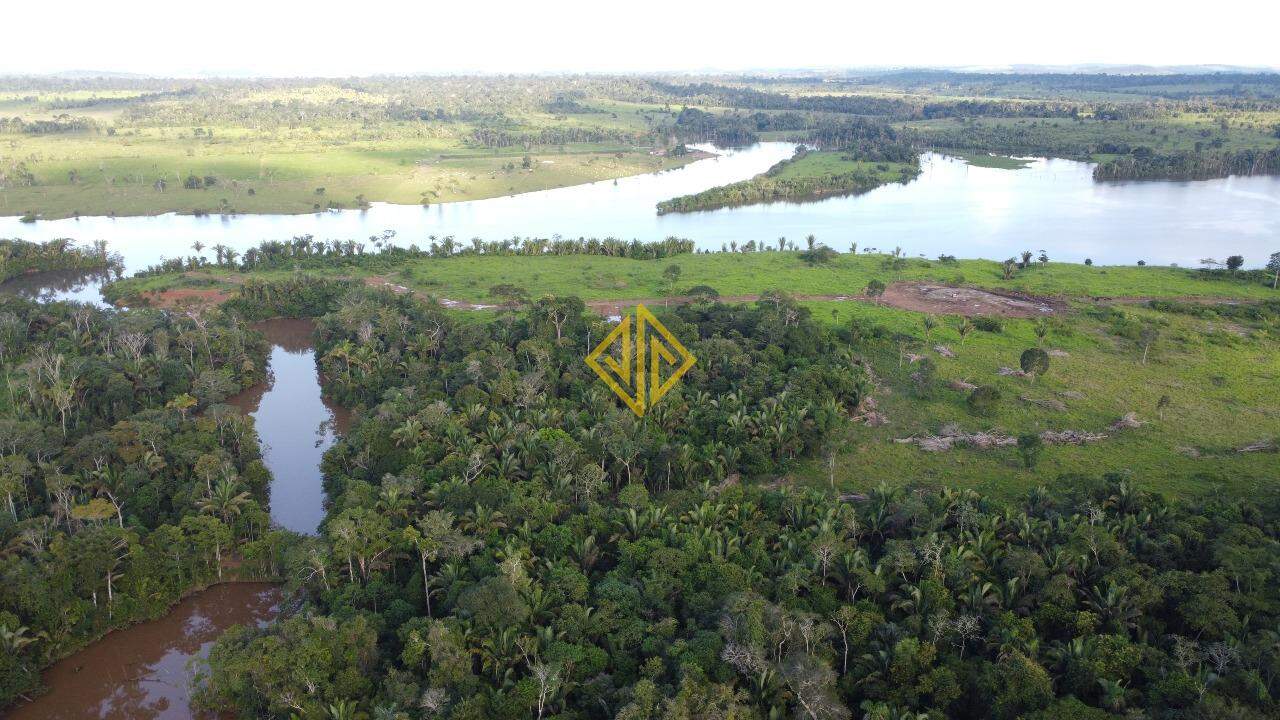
(13, 641)
(223, 500)
(343, 710)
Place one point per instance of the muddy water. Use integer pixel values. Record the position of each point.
(142, 672)
(295, 423)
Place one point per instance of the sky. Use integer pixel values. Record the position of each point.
(287, 38)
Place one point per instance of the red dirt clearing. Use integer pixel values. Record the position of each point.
(184, 297)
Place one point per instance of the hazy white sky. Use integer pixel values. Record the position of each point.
(271, 37)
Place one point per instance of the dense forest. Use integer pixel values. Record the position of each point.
(507, 541)
(1140, 165)
(124, 480)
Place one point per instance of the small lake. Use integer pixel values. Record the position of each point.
(295, 424)
(143, 672)
(952, 208)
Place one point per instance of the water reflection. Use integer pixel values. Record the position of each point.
(144, 672)
(295, 424)
(59, 285)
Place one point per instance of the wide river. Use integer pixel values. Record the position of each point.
(953, 208)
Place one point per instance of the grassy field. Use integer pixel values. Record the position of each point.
(820, 164)
(292, 173)
(1223, 382)
(604, 278)
(1179, 131)
(999, 162)
(469, 277)
(291, 148)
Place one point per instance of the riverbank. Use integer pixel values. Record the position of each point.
(141, 672)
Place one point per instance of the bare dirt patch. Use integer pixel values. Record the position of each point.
(182, 297)
(380, 282)
(945, 300)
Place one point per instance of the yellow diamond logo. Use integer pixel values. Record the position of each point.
(640, 339)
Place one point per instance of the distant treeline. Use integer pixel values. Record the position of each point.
(493, 137)
(305, 251)
(1189, 165)
(60, 124)
(740, 97)
(733, 129)
(896, 108)
(1031, 139)
(1151, 84)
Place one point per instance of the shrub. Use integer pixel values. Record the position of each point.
(875, 289)
(1029, 448)
(1034, 361)
(819, 255)
(983, 400)
(989, 324)
(703, 292)
(923, 377)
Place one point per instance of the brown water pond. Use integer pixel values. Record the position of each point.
(144, 672)
(295, 423)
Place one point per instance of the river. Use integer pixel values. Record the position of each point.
(143, 672)
(295, 424)
(952, 208)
